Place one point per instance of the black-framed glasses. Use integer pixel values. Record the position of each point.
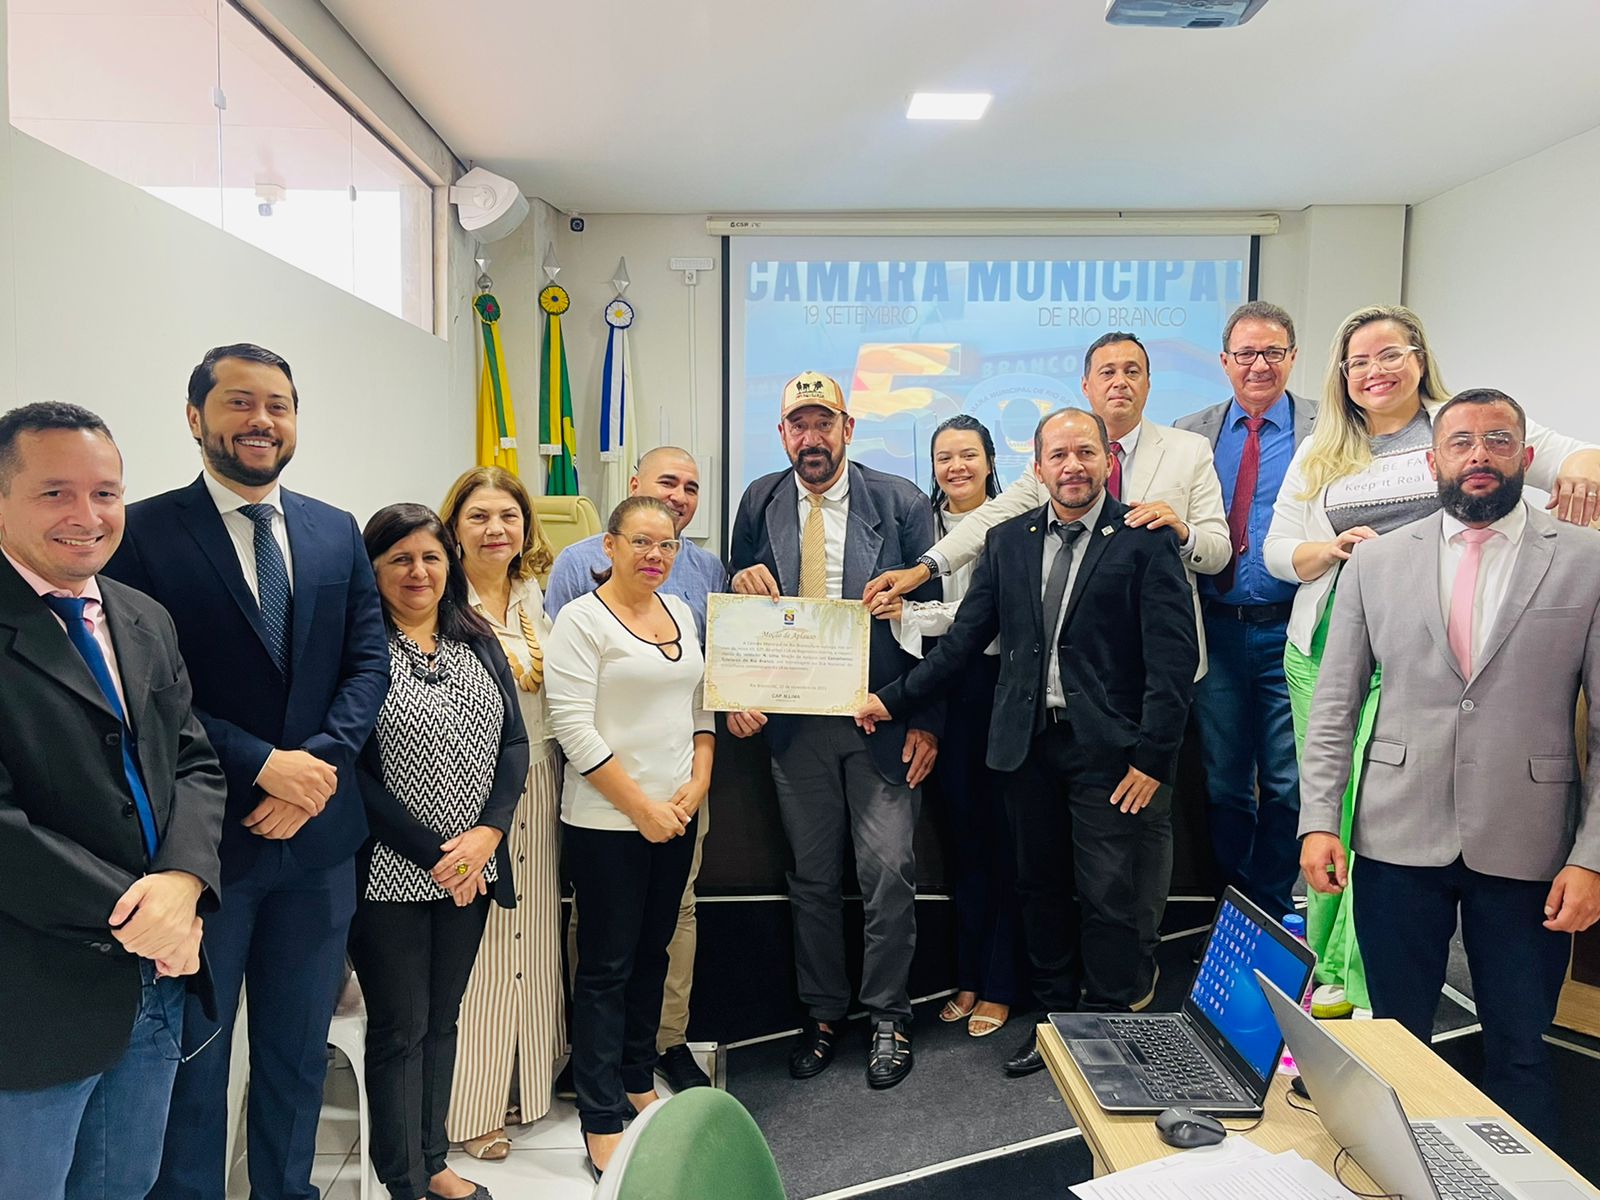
(669, 547)
(1502, 443)
(1273, 354)
(1388, 360)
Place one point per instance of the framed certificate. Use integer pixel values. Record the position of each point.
(786, 655)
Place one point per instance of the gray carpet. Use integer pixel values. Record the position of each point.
(834, 1131)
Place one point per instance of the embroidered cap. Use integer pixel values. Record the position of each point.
(809, 388)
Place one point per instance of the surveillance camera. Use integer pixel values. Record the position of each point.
(575, 224)
(264, 208)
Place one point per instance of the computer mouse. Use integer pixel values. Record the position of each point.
(1187, 1129)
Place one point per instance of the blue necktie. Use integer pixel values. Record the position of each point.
(272, 584)
(70, 610)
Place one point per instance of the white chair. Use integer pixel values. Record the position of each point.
(348, 1035)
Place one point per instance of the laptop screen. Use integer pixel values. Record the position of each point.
(1225, 995)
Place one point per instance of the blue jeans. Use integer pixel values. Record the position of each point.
(1247, 743)
(98, 1138)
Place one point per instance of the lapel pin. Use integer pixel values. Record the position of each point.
(1033, 529)
(1107, 531)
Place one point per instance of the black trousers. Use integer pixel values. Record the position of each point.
(1405, 917)
(991, 959)
(1069, 835)
(413, 960)
(629, 891)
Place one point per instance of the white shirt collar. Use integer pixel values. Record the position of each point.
(834, 495)
(1128, 441)
(1510, 526)
(228, 501)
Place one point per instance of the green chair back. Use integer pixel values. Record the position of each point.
(702, 1145)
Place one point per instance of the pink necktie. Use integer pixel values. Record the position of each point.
(1462, 595)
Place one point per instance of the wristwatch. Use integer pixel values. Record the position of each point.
(927, 560)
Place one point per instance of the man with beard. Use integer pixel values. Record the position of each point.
(1485, 620)
(1098, 650)
(278, 620)
(822, 530)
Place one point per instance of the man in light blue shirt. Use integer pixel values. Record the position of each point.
(1242, 704)
(671, 476)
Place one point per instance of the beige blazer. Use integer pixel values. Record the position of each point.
(1170, 464)
(1487, 767)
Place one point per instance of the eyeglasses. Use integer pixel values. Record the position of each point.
(1273, 354)
(642, 545)
(1501, 443)
(1388, 360)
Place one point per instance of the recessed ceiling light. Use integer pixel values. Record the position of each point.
(948, 106)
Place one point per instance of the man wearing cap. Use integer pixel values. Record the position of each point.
(824, 529)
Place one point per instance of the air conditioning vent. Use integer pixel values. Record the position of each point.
(1182, 14)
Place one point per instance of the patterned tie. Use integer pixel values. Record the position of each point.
(1462, 596)
(814, 551)
(1244, 496)
(272, 584)
(1114, 482)
(70, 610)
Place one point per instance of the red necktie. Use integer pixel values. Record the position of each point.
(1244, 495)
(1114, 481)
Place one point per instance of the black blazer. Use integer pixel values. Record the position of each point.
(391, 821)
(890, 523)
(69, 840)
(1128, 649)
(177, 550)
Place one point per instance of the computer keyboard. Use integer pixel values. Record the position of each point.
(1171, 1065)
(1455, 1173)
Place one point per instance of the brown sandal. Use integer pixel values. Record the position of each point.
(491, 1147)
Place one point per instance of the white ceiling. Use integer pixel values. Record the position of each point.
(757, 105)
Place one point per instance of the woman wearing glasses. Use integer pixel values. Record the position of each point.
(623, 670)
(1363, 473)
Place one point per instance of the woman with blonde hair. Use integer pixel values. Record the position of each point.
(513, 1020)
(1362, 473)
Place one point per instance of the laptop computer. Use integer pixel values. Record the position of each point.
(1218, 1054)
(1450, 1158)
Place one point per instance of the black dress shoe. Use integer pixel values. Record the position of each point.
(889, 1060)
(677, 1066)
(1027, 1059)
(813, 1050)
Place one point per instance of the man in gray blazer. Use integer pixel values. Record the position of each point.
(822, 529)
(1241, 705)
(1485, 619)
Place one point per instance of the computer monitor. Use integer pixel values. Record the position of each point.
(1224, 1000)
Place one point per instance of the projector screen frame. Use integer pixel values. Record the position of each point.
(1252, 279)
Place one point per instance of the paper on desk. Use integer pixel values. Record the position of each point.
(1244, 1176)
(1224, 1153)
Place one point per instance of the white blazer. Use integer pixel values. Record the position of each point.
(1169, 464)
(1296, 522)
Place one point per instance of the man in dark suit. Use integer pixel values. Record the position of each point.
(1242, 704)
(832, 782)
(110, 810)
(1098, 651)
(278, 619)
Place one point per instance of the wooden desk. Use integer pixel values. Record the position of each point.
(1427, 1085)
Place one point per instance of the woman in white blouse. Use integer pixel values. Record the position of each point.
(439, 777)
(991, 964)
(1362, 473)
(513, 1016)
(623, 669)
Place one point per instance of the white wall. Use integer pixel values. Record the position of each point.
(117, 295)
(1502, 270)
(1327, 261)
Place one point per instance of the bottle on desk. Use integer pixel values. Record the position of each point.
(1295, 924)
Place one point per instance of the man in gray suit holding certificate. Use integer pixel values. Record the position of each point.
(1485, 621)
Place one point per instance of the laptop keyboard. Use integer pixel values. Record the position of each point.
(1455, 1173)
(1170, 1064)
